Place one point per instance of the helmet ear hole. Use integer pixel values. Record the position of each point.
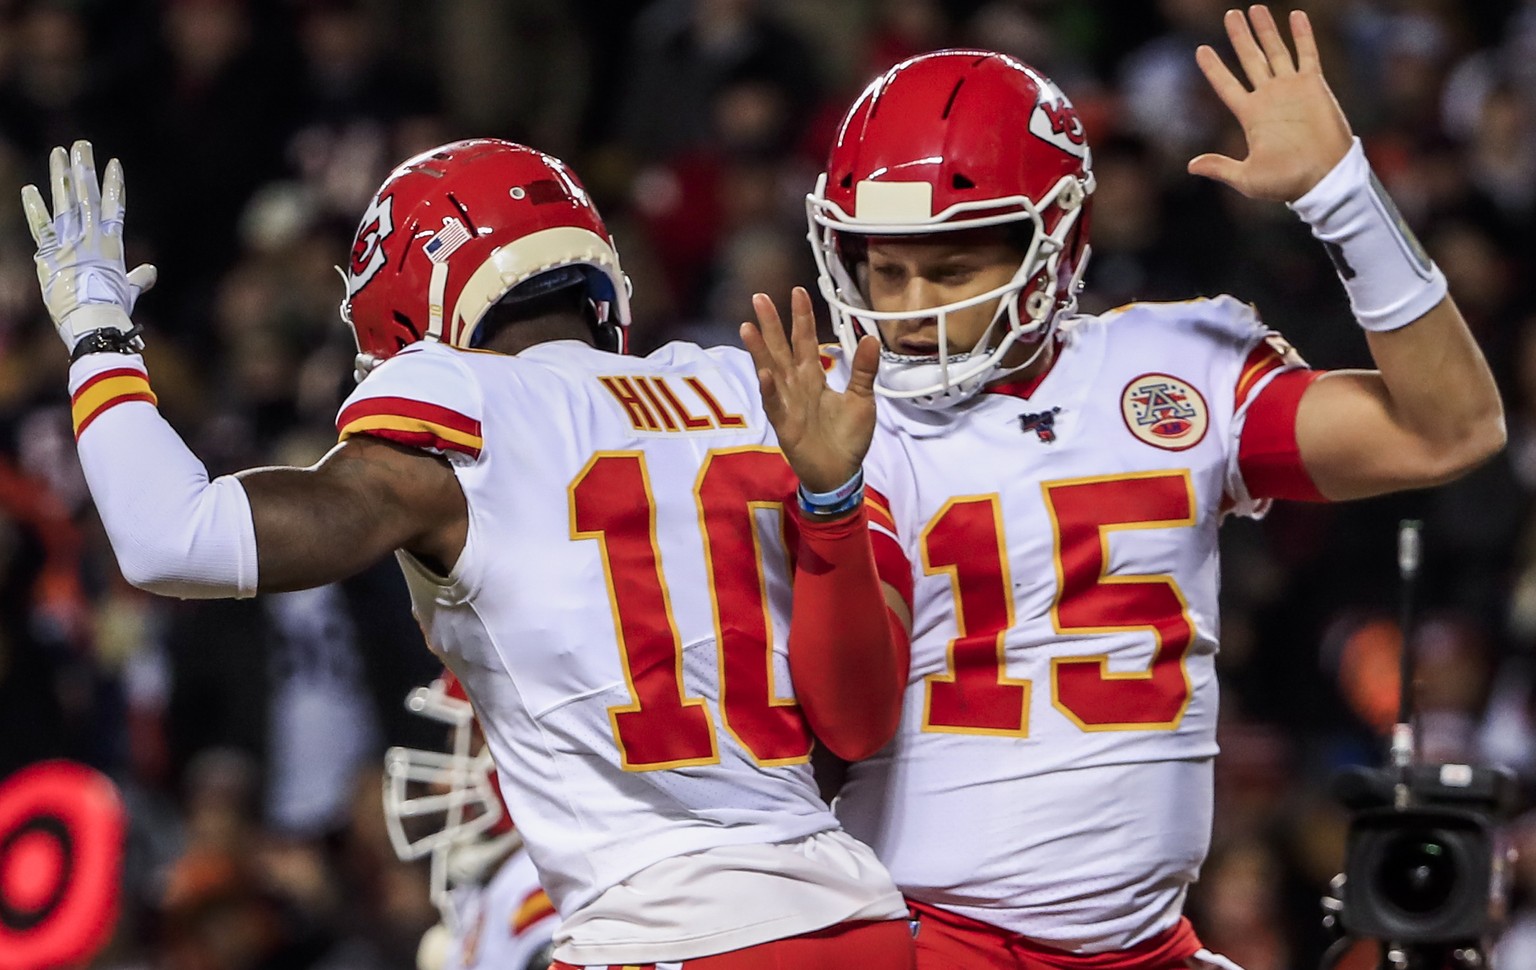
(961, 182)
(1038, 304)
(407, 323)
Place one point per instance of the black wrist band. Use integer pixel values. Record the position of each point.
(108, 340)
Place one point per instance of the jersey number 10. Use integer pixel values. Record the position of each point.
(611, 502)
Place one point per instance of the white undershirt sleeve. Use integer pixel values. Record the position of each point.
(174, 532)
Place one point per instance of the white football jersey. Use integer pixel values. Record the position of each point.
(1052, 772)
(619, 615)
(506, 924)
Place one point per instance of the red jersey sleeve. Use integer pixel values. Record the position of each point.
(848, 653)
(1267, 398)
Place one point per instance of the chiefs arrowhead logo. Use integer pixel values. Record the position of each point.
(1055, 120)
(368, 250)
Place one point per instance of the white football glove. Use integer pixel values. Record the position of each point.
(80, 248)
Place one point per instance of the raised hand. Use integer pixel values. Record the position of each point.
(824, 434)
(1296, 132)
(80, 247)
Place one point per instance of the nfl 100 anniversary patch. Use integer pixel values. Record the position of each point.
(1042, 423)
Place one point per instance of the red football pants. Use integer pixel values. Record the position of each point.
(877, 945)
(949, 941)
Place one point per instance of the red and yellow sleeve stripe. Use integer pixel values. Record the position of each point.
(879, 509)
(535, 906)
(1262, 361)
(1268, 455)
(416, 424)
(107, 390)
(891, 560)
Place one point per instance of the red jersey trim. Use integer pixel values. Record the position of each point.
(966, 937)
(413, 423)
(879, 511)
(891, 562)
(1268, 456)
(1264, 360)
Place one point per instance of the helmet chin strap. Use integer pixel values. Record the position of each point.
(1046, 316)
(1043, 311)
(363, 363)
(956, 390)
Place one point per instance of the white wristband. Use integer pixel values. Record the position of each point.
(1389, 277)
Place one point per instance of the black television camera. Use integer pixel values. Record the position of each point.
(1425, 864)
(1427, 877)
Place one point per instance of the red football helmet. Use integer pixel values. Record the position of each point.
(455, 229)
(945, 141)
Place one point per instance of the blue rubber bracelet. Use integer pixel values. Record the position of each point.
(844, 498)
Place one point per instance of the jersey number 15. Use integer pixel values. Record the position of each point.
(965, 539)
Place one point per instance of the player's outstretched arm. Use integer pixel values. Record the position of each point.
(174, 530)
(364, 500)
(848, 649)
(1431, 412)
(824, 435)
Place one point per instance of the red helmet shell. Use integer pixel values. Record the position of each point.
(949, 141)
(453, 229)
(954, 136)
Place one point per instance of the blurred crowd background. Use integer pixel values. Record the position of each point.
(247, 737)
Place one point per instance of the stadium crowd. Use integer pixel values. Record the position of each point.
(247, 737)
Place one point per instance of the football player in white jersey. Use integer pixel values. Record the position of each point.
(444, 805)
(604, 549)
(1055, 482)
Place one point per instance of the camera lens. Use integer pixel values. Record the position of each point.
(1417, 873)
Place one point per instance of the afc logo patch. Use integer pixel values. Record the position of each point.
(1164, 412)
